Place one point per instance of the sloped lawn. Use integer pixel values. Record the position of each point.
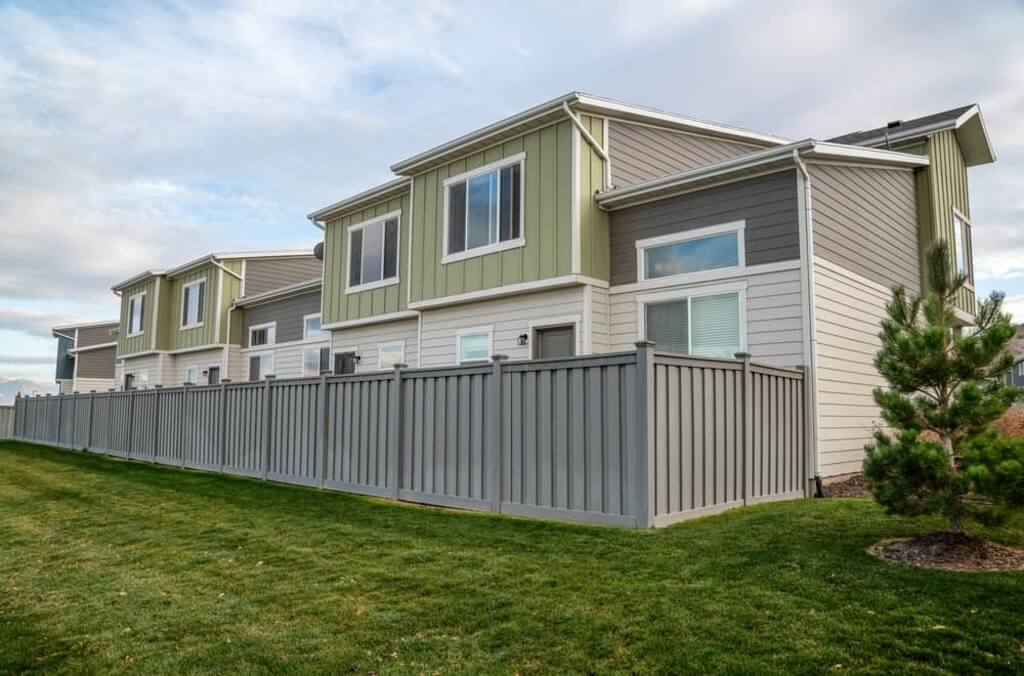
(109, 565)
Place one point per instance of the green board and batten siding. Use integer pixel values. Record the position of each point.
(339, 306)
(128, 345)
(202, 335)
(595, 235)
(547, 219)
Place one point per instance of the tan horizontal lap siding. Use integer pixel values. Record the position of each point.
(95, 335)
(547, 219)
(364, 341)
(339, 306)
(143, 341)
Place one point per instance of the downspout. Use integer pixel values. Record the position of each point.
(812, 358)
(218, 264)
(593, 144)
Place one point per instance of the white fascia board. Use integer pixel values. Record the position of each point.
(397, 186)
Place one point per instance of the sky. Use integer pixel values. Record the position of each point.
(140, 135)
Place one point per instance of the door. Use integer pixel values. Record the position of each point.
(213, 375)
(555, 341)
(344, 363)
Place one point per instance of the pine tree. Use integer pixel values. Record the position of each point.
(945, 389)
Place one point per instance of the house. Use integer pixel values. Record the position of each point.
(583, 224)
(179, 326)
(85, 356)
(1016, 374)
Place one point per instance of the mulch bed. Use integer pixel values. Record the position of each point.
(848, 488)
(950, 551)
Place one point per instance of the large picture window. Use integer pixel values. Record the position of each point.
(193, 295)
(709, 325)
(373, 253)
(718, 247)
(136, 313)
(483, 209)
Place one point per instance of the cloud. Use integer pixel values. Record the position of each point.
(33, 360)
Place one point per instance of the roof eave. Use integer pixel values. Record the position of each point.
(297, 289)
(399, 185)
(132, 281)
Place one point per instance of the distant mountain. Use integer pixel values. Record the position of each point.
(9, 387)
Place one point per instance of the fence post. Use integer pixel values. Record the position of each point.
(131, 422)
(110, 422)
(88, 427)
(643, 480)
(14, 433)
(394, 478)
(222, 441)
(324, 419)
(46, 417)
(156, 421)
(60, 413)
(748, 425)
(184, 442)
(266, 425)
(494, 415)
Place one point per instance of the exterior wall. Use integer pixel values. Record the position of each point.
(339, 306)
(95, 335)
(287, 358)
(640, 152)
(206, 334)
(363, 340)
(201, 358)
(98, 363)
(506, 317)
(600, 318)
(144, 341)
(768, 204)
(547, 219)
(865, 220)
(267, 274)
(65, 386)
(774, 318)
(150, 364)
(94, 384)
(848, 310)
(287, 313)
(595, 223)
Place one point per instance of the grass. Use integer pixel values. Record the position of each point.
(109, 565)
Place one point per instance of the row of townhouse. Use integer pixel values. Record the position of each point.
(581, 226)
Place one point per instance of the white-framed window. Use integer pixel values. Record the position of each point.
(705, 322)
(483, 209)
(1020, 369)
(373, 253)
(262, 334)
(193, 297)
(389, 354)
(136, 314)
(316, 361)
(962, 245)
(473, 344)
(311, 328)
(192, 375)
(261, 365)
(687, 256)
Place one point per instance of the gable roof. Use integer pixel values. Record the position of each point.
(966, 121)
(296, 289)
(553, 111)
(205, 259)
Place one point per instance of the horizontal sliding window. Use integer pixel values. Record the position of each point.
(262, 335)
(373, 253)
(484, 210)
(474, 346)
(706, 326)
(713, 248)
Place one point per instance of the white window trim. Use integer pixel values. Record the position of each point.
(380, 353)
(518, 158)
(390, 281)
(273, 365)
(271, 335)
(305, 334)
(198, 374)
(968, 246)
(181, 309)
(489, 330)
(310, 346)
(738, 227)
(142, 319)
(692, 292)
(569, 320)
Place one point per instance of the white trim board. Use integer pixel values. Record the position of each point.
(508, 290)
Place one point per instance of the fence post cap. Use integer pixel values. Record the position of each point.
(640, 344)
(398, 367)
(742, 355)
(224, 381)
(499, 357)
(269, 376)
(157, 387)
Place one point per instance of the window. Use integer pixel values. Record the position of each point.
(311, 328)
(373, 253)
(213, 375)
(193, 295)
(715, 248)
(389, 354)
(701, 325)
(261, 365)
(1020, 369)
(962, 245)
(316, 361)
(136, 313)
(192, 375)
(262, 334)
(483, 209)
(474, 345)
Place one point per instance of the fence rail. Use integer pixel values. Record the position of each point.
(633, 439)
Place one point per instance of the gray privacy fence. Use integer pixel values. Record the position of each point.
(632, 439)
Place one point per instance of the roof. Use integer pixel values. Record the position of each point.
(552, 111)
(757, 162)
(86, 325)
(398, 186)
(296, 289)
(966, 121)
(209, 258)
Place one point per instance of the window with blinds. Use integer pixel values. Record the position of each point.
(706, 326)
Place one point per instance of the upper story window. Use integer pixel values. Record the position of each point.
(311, 328)
(373, 253)
(718, 247)
(193, 296)
(484, 209)
(962, 245)
(136, 313)
(262, 334)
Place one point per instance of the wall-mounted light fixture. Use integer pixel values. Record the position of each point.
(523, 339)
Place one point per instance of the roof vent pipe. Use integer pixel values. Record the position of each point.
(593, 144)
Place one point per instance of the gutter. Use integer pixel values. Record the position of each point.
(812, 339)
(593, 144)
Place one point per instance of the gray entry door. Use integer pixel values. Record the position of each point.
(555, 341)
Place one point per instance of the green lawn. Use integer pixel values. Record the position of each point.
(109, 565)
